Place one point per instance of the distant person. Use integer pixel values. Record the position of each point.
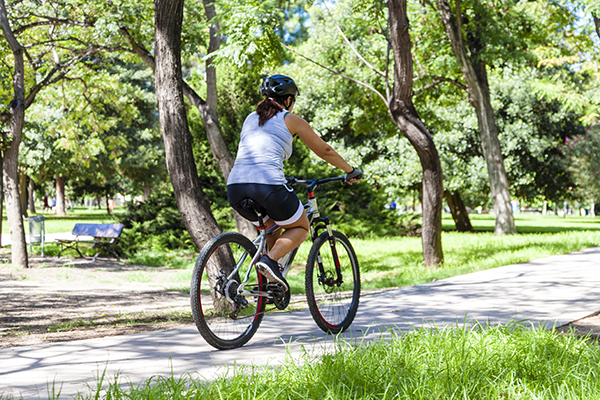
(393, 205)
(46, 206)
(111, 205)
(515, 206)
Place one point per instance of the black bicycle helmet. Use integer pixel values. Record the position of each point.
(279, 85)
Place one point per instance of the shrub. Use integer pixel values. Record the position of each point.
(154, 224)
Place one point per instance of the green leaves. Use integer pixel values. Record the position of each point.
(250, 32)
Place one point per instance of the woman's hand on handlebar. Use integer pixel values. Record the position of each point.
(353, 176)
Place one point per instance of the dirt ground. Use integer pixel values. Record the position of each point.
(72, 298)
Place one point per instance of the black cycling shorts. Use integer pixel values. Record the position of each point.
(278, 202)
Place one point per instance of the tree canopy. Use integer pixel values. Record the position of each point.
(91, 114)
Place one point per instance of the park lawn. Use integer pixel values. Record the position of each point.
(54, 224)
(396, 261)
(530, 223)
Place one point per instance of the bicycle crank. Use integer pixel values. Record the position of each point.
(281, 298)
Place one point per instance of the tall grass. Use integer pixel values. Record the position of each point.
(475, 362)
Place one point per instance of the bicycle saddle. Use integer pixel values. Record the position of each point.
(250, 205)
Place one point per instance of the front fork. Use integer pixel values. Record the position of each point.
(323, 279)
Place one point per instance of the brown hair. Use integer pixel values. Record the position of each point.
(268, 108)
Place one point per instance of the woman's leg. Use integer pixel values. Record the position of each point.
(292, 237)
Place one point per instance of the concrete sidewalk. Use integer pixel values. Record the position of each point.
(554, 290)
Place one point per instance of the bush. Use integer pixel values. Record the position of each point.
(154, 224)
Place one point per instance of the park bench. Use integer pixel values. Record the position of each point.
(105, 237)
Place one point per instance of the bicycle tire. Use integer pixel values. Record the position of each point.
(226, 325)
(332, 306)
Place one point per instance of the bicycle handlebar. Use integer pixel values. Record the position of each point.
(312, 183)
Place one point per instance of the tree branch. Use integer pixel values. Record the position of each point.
(459, 23)
(64, 69)
(48, 21)
(15, 46)
(139, 49)
(36, 89)
(147, 58)
(338, 73)
(436, 81)
(350, 44)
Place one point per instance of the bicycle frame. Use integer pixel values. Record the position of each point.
(316, 223)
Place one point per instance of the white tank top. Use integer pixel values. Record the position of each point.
(262, 151)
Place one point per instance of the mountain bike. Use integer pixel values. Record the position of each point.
(229, 297)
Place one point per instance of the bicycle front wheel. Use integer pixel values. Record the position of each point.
(332, 282)
(225, 319)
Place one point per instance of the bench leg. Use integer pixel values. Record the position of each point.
(109, 250)
(67, 247)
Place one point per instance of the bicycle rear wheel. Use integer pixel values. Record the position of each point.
(225, 319)
(332, 301)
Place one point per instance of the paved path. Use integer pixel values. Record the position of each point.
(48, 237)
(554, 290)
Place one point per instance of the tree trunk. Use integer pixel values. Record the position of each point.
(191, 199)
(593, 209)
(459, 211)
(406, 118)
(597, 23)
(31, 196)
(60, 196)
(1, 196)
(23, 193)
(211, 117)
(475, 74)
(208, 108)
(10, 173)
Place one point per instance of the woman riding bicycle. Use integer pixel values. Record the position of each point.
(265, 142)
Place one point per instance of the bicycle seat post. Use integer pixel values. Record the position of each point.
(250, 205)
(261, 223)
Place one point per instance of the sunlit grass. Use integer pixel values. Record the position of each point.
(155, 258)
(54, 224)
(399, 262)
(473, 362)
(530, 223)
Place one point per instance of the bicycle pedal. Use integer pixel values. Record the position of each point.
(275, 287)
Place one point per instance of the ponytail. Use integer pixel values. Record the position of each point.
(269, 107)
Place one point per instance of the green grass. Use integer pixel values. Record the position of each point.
(531, 223)
(473, 362)
(54, 224)
(398, 261)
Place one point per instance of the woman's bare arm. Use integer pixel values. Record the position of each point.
(300, 127)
